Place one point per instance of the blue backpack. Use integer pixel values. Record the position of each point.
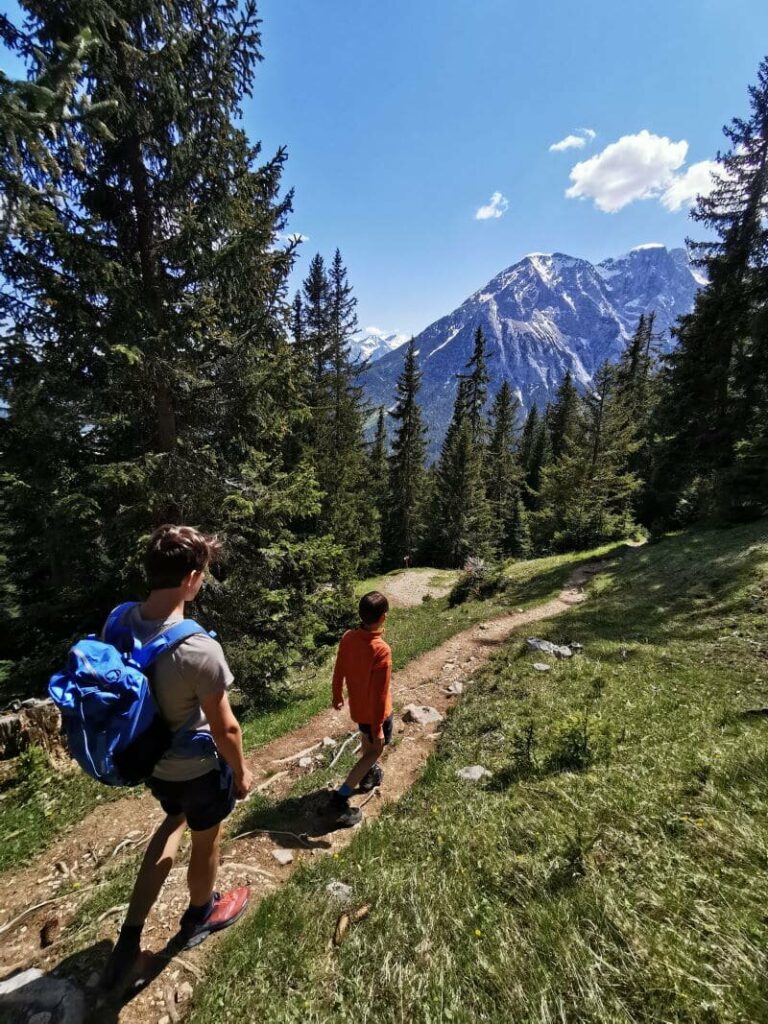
(109, 716)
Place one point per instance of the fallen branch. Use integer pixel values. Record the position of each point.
(38, 906)
(247, 867)
(126, 843)
(301, 753)
(274, 832)
(341, 749)
(265, 785)
(112, 910)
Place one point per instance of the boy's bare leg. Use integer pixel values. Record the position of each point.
(371, 752)
(203, 865)
(158, 861)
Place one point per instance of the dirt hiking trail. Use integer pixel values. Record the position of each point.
(112, 832)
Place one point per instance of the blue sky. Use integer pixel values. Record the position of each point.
(402, 119)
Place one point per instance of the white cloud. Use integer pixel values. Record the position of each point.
(696, 181)
(497, 207)
(577, 141)
(638, 166)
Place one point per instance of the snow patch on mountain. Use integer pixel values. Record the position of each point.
(372, 343)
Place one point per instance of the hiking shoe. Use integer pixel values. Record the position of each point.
(227, 908)
(372, 779)
(344, 813)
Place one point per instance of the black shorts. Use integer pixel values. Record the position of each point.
(204, 802)
(386, 728)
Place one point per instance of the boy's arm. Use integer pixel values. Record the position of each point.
(338, 681)
(381, 675)
(228, 738)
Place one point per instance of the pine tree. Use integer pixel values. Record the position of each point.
(462, 522)
(502, 470)
(378, 481)
(146, 372)
(712, 384)
(476, 388)
(564, 414)
(520, 544)
(587, 494)
(405, 525)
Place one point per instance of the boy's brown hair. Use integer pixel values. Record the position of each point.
(372, 606)
(173, 552)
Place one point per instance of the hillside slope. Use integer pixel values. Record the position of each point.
(613, 866)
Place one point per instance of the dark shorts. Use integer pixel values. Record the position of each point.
(204, 802)
(386, 728)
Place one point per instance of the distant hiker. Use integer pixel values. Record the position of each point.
(364, 663)
(197, 787)
(407, 561)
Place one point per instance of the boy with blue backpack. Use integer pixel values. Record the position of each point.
(193, 746)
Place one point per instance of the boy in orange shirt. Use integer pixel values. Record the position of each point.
(364, 663)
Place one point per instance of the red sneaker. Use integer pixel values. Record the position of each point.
(227, 908)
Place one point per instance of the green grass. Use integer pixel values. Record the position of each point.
(39, 802)
(615, 867)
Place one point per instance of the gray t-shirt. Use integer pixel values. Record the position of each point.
(182, 678)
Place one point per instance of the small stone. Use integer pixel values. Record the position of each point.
(305, 762)
(541, 667)
(483, 625)
(93, 980)
(475, 773)
(19, 981)
(545, 647)
(165, 1019)
(40, 1018)
(284, 857)
(455, 689)
(62, 868)
(576, 648)
(339, 891)
(184, 992)
(329, 741)
(421, 714)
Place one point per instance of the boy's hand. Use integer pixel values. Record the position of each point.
(243, 784)
(338, 704)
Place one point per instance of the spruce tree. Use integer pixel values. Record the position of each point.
(476, 388)
(462, 522)
(377, 487)
(502, 470)
(405, 525)
(587, 494)
(712, 390)
(146, 372)
(520, 544)
(563, 415)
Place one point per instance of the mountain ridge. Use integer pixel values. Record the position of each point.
(544, 315)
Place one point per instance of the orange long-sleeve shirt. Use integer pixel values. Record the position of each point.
(364, 662)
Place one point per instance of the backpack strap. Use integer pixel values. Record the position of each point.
(115, 630)
(167, 640)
